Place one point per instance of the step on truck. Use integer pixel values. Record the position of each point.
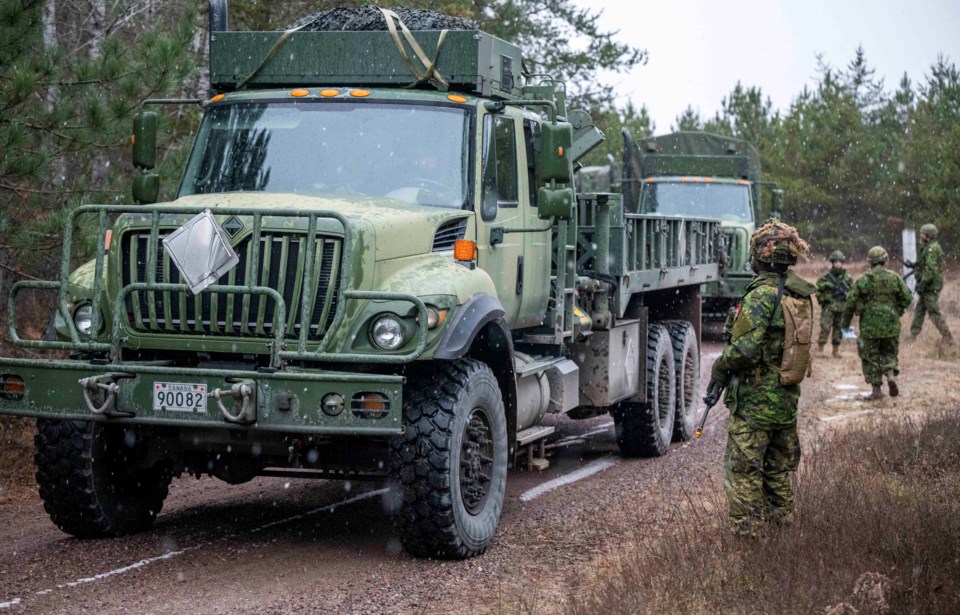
(695, 173)
(359, 279)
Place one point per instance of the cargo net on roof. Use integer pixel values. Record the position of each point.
(370, 18)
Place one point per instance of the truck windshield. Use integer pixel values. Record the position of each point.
(730, 202)
(415, 153)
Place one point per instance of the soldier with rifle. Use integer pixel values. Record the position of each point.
(762, 389)
(879, 297)
(929, 276)
(832, 291)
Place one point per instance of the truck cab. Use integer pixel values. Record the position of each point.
(369, 272)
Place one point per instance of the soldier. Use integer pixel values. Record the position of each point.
(929, 276)
(762, 443)
(879, 297)
(832, 291)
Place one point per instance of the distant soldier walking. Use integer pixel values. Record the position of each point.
(761, 389)
(879, 297)
(929, 275)
(832, 291)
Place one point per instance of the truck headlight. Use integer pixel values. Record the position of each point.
(83, 319)
(387, 332)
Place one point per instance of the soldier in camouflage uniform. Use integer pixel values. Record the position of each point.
(762, 442)
(929, 275)
(879, 297)
(832, 291)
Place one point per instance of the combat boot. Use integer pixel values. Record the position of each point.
(836, 350)
(892, 383)
(877, 393)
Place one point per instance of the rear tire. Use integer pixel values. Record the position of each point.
(88, 481)
(686, 361)
(448, 470)
(644, 429)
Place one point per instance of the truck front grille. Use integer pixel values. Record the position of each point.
(281, 267)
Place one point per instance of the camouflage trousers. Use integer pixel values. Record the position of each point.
(878, 356)
(756, 474)
(830, 323)
(928, 304)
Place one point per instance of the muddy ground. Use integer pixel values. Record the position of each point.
(276, 545)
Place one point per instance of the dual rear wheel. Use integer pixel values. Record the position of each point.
(646, 429)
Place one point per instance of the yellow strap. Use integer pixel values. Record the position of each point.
(430, 73)
(273, 51)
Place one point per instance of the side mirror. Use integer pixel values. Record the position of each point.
(146, 188)
(144, 140)
(554, 156)
(555, 203)
(776, 202)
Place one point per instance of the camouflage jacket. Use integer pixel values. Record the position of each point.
(749, 365)
(929, 269)
(832, 289)
(879, 297)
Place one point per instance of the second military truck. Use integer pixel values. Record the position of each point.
(360, 279)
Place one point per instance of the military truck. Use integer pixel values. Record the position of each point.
(376, 267)
(691, 173)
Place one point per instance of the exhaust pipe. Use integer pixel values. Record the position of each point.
(218, 16)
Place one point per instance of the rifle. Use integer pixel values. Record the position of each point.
(714, 389)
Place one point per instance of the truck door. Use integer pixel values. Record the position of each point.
(503, 255)
(537, 243)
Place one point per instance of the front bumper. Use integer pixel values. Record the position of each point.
(286, 400)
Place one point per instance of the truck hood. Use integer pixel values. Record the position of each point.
(398, 228)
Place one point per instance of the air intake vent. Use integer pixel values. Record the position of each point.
(448, 233)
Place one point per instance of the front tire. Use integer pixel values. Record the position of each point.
(88, 481)
(448, 470)
(645, 429)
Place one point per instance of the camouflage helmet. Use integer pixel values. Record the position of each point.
(837, 255)
(929, 230)
(876, 255)
(778, 243)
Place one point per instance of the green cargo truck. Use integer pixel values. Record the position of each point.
(359, 279)
(697, 174)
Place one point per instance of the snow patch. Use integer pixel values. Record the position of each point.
(588, 470)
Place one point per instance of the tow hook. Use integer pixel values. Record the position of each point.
(106, 384)
(244, 394)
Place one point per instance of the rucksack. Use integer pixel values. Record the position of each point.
(796, 363)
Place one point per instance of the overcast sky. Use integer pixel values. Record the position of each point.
(699, 49)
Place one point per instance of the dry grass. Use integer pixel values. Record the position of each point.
(878, 529)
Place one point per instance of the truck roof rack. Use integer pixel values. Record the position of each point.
(469, 61)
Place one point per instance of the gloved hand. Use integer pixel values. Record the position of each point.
(909, 264)
(714, 391)
(920, 287)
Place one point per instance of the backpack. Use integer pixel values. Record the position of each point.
(796, 363)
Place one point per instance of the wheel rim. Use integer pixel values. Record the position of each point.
(689, 383)
(664, 409)
(476, 461)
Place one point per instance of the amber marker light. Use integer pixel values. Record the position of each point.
(457, 98)
(12, 387)
(133, 139)
(560, 151)
(359, 93)
(217, 98)
(107, 238)
(465, 250)
(329, 93)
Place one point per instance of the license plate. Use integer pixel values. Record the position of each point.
(179, 397)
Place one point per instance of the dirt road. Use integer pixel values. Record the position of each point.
(275, 545)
